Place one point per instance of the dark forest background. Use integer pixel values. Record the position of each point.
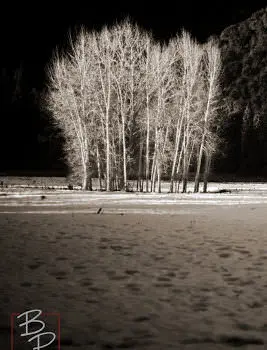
(30, 144)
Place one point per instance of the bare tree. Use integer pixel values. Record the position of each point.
(211, 72)
(104, 53)
(126, 74)
(188, 57)
(70, 104)
(149, 91)
(163, 60)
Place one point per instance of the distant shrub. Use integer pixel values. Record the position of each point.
(224, 191)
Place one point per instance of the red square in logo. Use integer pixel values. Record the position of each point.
(20, 323)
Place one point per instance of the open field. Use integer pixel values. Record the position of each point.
(180, 271)
(13, 198)
(61, 183)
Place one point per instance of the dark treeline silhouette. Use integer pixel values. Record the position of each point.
(244, 81)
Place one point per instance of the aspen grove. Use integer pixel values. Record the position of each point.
(132, 110)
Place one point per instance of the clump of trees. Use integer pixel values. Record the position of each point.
(131, 108)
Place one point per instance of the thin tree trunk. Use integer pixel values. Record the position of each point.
(107, 154)
(199, 161)
(147, 145)
(206, 172)
(197, 177)
(185, 172)
(155, 161)
(98, 168)
(140, 170)
(177, 143)
(159, 177)
(178, 168)
(153, 183)
(125, 186)
(115, 167)
(153, 173)
(185, 177)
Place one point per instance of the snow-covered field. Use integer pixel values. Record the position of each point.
(191, 276)
(60, 200)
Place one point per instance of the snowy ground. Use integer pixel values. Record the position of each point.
(64, 201)
(191, 276)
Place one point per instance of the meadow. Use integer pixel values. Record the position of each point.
(137, 270)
